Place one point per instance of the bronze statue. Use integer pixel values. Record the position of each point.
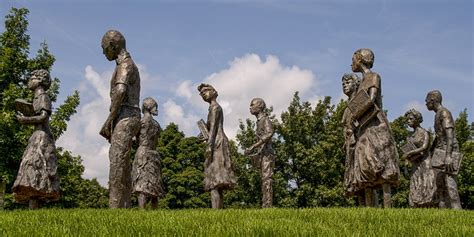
(350, 84)
(146, 169)
(416, 150)
(264, 157)
(218, 168)
(123, 122)
(37, 179)
(446, 156)
(375, 154)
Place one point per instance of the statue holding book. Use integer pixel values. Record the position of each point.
(146, 169)
(445, 157)
(218, 168)
(37, 180)
(416, 150)
(375, 154)
(350, 84)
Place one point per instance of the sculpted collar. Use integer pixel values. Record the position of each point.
(260, 116)
(121, 57)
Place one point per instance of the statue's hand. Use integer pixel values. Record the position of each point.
(249, 150)
(106, 130)
(449, 164)
(21, 118)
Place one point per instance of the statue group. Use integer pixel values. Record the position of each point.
(371, 154)
(372, 160)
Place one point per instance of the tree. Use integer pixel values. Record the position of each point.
(466, 172)
(182, 160)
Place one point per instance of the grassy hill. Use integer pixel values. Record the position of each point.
(238, 222)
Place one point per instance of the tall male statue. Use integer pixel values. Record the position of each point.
(265, 155)
(218, 168)
(446, 152)
(375, 153)
(123, 122)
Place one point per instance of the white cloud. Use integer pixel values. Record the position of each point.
(184, 89)
(249, 77)
(174, 113)
(82, 136)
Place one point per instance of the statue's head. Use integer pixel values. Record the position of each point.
(362, 58)
(413, 118)
(39, 78)
(350, 82)
(257, 105)
(150, 105)
(433, 99)
(112, 44)
(207, 92)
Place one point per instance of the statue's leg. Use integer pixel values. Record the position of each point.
(441, 190)
(120, 181)
(33, 204)
(369, 197)
(452, 192)
(142, 200)
(361, 199)
(387, 195)
(154, 202)
(267, 181)
(217, 199)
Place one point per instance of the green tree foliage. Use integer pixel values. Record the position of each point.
(182, 160)
(466, 173)
(400, 133)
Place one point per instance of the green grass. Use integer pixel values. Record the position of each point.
(238, 222)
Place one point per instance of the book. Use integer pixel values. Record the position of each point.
(203, 128)
(24, 107)
(362, 108)
(438, 160)
(409, 146)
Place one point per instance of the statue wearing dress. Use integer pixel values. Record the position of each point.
(146, 169)
(218, 168)
(37, 180)
(416, 150)
(375, 153)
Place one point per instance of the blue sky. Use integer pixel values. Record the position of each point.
(248, 49)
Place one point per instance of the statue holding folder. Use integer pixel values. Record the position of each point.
(416, 150)
(375, 154)
(37, 180)
(263, 156)
(445, 156)
(218, 168)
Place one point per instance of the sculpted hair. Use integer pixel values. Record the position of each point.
(435, 96)
(416, 114)
(204, 86)
(45, 77)
(115, 38)
(260, 102)
(366, 56)
(148, 104)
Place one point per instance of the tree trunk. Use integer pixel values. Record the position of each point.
(3, 185)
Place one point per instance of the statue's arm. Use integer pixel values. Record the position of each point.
(37, 119)
(267, 135)
(213, 123)
(424, 147)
